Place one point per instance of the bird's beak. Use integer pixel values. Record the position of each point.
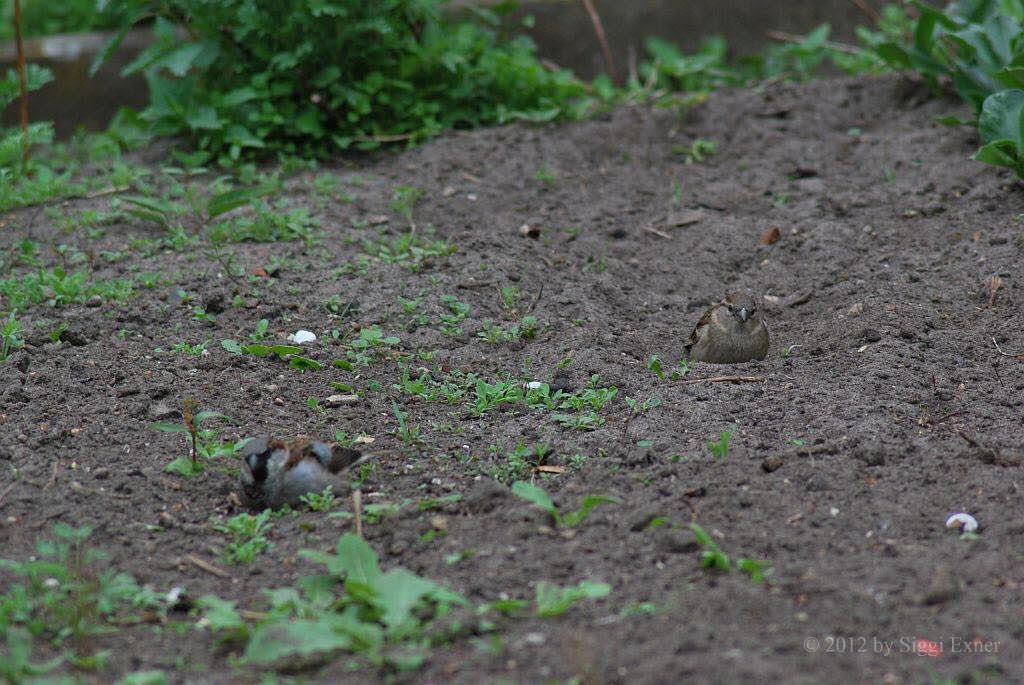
(742, 313)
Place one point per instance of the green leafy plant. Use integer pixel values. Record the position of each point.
(387, 617)
(552, 600)
(250, 79)
(978, 46)
(248, 536)
(539, 497)
(204, 443)
(62, 596)
(320, 501)
(9, 340)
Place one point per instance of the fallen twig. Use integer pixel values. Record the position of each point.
(595, 19)
(652, 229)
(536, 299)
(725, 379)
(207, 566)
(1018, 357)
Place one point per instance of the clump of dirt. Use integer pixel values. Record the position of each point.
(882, 408)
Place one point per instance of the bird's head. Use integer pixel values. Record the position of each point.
(741, 305)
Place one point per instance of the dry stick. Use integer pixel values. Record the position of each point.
(21, 86)
(790, 38)
(536, 299)
(866, 9)
(357, 505)
(53, 475)
(651, 229)
(207, 566)
(1019, 357)
(595, 19)
(725, 379)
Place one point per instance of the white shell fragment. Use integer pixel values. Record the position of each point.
(302, 336)
(964, 522)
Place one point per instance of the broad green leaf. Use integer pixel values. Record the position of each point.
(574, 518)
(535, 494)
(297, 637)
(184, 466)
(1001, 118)
(231, 346)
(233, 199)
(398, 593)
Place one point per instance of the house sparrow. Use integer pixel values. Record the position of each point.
(730, 332)
(275, 473)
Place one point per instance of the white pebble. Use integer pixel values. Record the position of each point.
(964, 522)
(302, 336)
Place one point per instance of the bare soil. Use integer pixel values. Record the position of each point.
(882, 408)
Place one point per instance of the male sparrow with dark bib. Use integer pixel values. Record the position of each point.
(730, 332)
(275, 473)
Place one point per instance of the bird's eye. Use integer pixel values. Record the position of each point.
(731, 308)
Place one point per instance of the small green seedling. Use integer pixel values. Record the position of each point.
(654, 364)
(537, 495)
(552, 600)
(249, 536)
(712, 557)
(720, 448)
(190, 425)
(320, 501)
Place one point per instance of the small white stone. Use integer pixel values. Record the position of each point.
(534, 385)
(963, 521)
(174, 595)
(833, 511)
(302, 336)
(51, 583)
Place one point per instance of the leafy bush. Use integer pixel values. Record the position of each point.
(45, 17)
(244, 78)
(977, 46)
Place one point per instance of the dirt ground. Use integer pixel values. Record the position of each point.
(882, 408)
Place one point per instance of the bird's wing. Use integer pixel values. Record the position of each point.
(343, 458)
(702, 324)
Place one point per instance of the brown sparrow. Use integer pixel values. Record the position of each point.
(275, 473)
(730, 332)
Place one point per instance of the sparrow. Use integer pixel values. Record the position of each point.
(730, 332)
(277, 473)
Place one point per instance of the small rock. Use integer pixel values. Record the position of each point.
(818, 483)
(772, 464)
(301, 336)
(528, 231)
(448, 191)
(102, 473)
(339, 400)
(870, 335)
(439, 522)
(94, 301)
(377, 219)
(856, 309)
(562, 382)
